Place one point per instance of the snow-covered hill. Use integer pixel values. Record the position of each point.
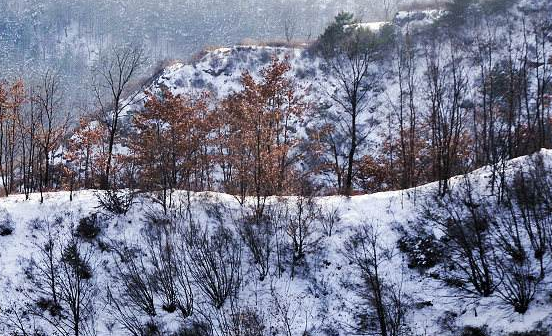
(319, 299)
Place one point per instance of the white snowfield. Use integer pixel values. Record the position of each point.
(372, 26)
(318, 297)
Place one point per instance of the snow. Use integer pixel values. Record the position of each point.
(418, 18)
(372, 26)
(318, 297)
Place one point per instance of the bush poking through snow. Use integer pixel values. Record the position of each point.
(474, 331)
(488, 246)
(386, 304)
(422, 249)
(215, 262)
(464, 223)
(330, 220)
(132, 281)
(194, 329)
(536, 332)
(6, 223)
(89, 227)
(171, 273)
(301, 219)
(257, 231)
(64, 275)
(72, 258)
(115, 201)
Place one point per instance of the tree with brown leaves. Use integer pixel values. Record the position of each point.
(170, 144)
(260, 137)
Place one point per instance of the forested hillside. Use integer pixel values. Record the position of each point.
(69, 36)
(428, 96)
(356, 178)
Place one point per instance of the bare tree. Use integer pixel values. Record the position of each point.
(406, 110)
(446, 80)
(113, 82)
(171, 267)
(28, 127)
(387, 303)
(11, 101)
(290, 24)
(215, 263)
(351, 54)
(52, 123)
(389, 8)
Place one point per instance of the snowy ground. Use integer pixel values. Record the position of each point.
(318, 297)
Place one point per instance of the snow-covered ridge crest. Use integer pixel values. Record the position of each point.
(218, 71)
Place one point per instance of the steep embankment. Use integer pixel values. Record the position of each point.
(320, 298)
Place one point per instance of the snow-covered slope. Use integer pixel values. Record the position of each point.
(319, 298)
(218, 71)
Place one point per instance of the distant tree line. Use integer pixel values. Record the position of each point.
(463, 94)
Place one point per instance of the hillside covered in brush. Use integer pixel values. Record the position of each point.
(475, 262)
(385, 178)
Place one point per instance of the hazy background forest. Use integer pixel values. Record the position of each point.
(68, 35)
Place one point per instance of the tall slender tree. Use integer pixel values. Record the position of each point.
(115, 90)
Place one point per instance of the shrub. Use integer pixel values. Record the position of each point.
(249, 322)
(330, 220)
(151, 329)
(115, 201)
(422, 249)
(257, 232)
(47, 304)
(89, 227)
(384, 304)
(195, 329)
(301, 220)
(464, 220)
(474, 331)
(198, 83)
(6, 223)
(73, 258)
(215, 262)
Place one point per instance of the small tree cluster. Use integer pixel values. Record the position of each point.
(386, 304)
(33, 124)
(498, 248)
(170, 145)
(64, 273)
(259, 142)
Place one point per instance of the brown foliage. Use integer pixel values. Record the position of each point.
(86, 154)
(171, 142)
(259, 138)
